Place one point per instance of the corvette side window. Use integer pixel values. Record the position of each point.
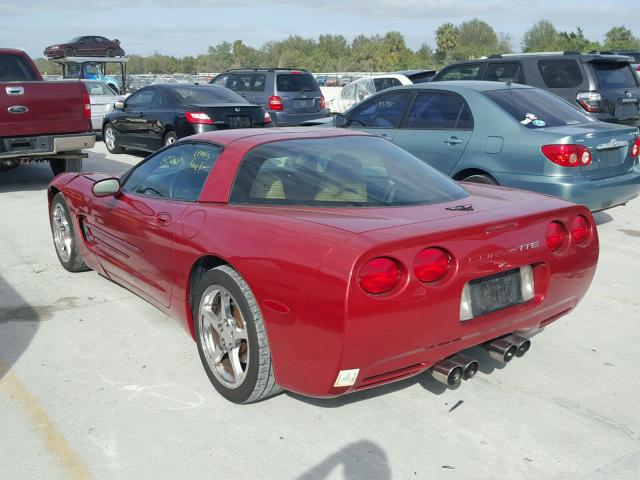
(177, 173)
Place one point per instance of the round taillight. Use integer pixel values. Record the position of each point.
(379, 275)
(579, 229)
(432, 264)
(556, 236)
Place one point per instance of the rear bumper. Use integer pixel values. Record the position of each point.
(48, 146)
(597, 194)
(284, 119)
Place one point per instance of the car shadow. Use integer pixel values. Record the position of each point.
(362, 459)
(19, 323)
(487, 365)
(37, 175)
(602, 218)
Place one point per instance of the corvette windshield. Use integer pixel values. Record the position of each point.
(340, 171)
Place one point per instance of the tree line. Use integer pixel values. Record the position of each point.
(378, 53)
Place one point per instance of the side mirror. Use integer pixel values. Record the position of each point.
(340, 121)
(119, 105)
(106, 187)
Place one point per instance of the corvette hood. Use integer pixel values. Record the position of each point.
(489, 202)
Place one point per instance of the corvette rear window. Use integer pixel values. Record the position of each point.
(339, 171)
(535, 108)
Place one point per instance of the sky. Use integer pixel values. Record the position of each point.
(148, 26)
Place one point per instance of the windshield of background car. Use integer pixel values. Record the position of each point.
(296, 82)
(339, 172)
(206, 95)
(14, 68)
(614, 75)
(535, 108)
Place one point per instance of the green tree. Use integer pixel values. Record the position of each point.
(447, 36)
(575, 41)
(543, 36)
(621, 38)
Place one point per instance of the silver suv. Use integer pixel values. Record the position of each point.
(291, 96)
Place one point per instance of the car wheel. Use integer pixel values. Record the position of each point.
(68, 165)
(111, 52)
(69, 52)
(110, 140)
(170, 138)
(480, 178)
(64, 236)
(231, 337)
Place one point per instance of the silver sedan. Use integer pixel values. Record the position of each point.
(102, 99)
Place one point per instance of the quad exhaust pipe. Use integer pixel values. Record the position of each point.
(452, 370)
(504, 349)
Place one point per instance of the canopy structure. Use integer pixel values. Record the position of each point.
(95, 68)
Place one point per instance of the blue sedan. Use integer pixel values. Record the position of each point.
(507, 134)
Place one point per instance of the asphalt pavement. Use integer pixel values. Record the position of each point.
(97, 384)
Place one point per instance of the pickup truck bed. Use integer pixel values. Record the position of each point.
(41, 120)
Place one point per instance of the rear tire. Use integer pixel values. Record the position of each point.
(111, 53)
(170, 138)
(66, 165)
(239, 329)
(65, 239)
(480, 178)
(110, 139)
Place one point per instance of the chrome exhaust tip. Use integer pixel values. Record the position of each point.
(523, 344)
(502, 350)
(447, 372)
(469, 366)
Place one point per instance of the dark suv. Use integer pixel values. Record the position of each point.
(603, 85)
(290, 96)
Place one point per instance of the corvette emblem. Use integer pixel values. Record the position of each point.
(237, 109)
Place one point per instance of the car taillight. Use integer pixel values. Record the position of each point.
(590, 101)
(568, 155)
(556, 236)
(379, 275)
(199, 118)
(580, 229)
(275, 103)
(86, 102)
(323, 104)
(267, 117)
(635, 148)
(431, 265)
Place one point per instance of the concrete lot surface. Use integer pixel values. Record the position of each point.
(96, 383)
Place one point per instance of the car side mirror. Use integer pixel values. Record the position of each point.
(340, 121)
(119, 105)
(106, 187)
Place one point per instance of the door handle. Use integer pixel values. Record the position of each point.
(163, 218)
(453, 141)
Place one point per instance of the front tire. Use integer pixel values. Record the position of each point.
(110, 139)
(65, 239)
(231, 337)
(69, 52)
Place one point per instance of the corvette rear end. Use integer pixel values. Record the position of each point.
(423, 291)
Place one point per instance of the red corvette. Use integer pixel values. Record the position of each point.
(326, 261)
